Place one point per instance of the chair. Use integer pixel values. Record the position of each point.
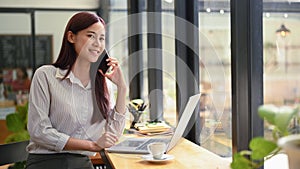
(13, 152)
(16, 152)
(98, 162)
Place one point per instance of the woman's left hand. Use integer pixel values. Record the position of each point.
(115, 74)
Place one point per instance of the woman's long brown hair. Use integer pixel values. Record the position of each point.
(67, 56)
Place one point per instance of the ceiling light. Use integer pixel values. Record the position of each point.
(283, 31)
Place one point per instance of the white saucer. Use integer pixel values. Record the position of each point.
(165, 157)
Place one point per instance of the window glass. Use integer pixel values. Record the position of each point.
(281, 55)
(15, 72)
(17, 57)
(215, 75)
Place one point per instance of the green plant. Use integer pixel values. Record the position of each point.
(262, 149)
(17, 123)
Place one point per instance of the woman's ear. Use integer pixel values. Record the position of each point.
(71, 37)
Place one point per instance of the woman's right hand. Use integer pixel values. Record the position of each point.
(115, 75)
(107, 140)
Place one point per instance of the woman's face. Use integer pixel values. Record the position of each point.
(89, 43)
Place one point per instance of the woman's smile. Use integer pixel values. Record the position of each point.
(94, 52)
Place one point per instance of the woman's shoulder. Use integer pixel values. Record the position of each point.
(45, 69)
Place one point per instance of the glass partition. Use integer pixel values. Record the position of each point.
(215, 77)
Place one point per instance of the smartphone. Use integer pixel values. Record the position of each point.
(103, 64)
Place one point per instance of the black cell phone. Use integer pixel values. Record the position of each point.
(103, 64)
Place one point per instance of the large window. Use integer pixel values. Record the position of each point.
(281, 52)
(281, 85)
(16, 52)
(214, 66)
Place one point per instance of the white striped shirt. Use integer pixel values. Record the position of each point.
(60, 109)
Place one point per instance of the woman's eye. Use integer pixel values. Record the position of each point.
(102, 39)
(91, 36)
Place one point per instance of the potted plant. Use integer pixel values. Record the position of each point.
(17, 123)
(291, 145)
(262, 149)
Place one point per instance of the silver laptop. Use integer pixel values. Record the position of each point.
(139, 145)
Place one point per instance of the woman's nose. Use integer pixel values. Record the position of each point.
(97, 42)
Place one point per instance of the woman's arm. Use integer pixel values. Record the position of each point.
(78, 144)
(106, 140)
(121, 99)
(116, 119)
(39, 125)
(116, 76)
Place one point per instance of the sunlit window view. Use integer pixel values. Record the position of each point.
(281, 47)
(281, 62)
(214, 53)
(281, 85)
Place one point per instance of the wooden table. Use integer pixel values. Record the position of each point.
(186, 153)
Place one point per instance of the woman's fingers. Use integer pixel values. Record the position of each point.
(113, 62)
(111, 138)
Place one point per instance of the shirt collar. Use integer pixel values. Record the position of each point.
(60, 73)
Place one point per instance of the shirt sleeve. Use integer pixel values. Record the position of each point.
(39, 125)
(115, 121)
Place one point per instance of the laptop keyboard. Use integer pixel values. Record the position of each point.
(152, 140)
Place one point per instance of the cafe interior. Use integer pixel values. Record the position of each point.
(238, 54)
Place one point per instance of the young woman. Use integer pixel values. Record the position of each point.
(65, 126)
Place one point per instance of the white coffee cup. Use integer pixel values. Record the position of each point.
(157, 149)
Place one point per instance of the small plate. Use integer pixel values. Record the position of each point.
(165, 157)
